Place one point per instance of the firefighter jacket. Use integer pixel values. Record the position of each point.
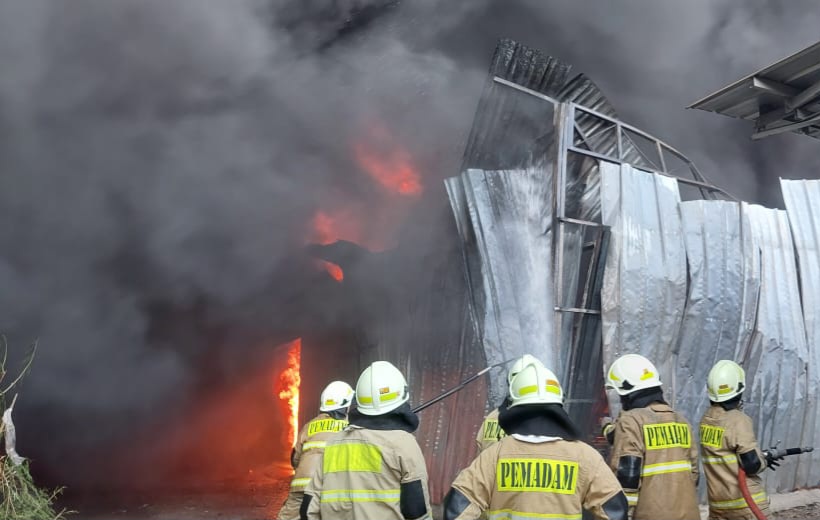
(529, 476)
(725, 437)
(307, 455)
(656, 461)
(311, 443)
(490, 432)
(369, 473)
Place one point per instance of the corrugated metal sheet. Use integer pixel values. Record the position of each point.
(803, 207)
(509, 214)
(721, 306)
(777, 357)
(743, 302)
(503, 208)
(430, 337)
(644, 287)
(514, 131)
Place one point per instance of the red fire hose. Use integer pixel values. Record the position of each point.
(775, 454)
(744, 490)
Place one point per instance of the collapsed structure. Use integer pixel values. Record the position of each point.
(578, 238)
(585, 238)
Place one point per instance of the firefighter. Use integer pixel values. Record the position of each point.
(728, 442)
(490, 432)
(335, 401)
(374, 468)
(653, 453)
(540, 469)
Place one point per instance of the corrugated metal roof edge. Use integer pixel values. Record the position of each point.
(762, 72)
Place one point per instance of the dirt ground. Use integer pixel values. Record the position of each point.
(207, 508)
(252, 499)
(799, 513)
(255, 499)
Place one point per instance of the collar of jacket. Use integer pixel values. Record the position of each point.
(402, 418)
(735, 403)
(546, 420)
(642, 398)
(339, 415)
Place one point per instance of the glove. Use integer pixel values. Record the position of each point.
(608, 432)
(771, 460)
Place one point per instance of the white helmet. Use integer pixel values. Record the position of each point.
(535, 384)
(381, 389)
(519, 364)
(336, 395)
(726, 380)
(631, 373)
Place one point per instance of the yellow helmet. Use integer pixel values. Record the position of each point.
(336, 395)
(535, 384)
(726, 380)
(631, 373)
(381, 389)
(519, 364)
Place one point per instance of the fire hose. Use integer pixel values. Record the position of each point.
(458, 387)
(772, 454)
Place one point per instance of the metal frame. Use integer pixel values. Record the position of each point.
(782, 97)
(565, 121)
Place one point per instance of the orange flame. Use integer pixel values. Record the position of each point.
(334, 271)
(388, 162)
(289, 381)
(325, 232)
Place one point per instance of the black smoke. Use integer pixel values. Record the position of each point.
(161, 163)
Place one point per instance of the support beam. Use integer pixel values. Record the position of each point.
(803, 72)
(774, 87)
(804, 97)
(787, 128)
(773, 116)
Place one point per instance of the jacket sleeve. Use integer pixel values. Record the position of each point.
(603, 496)
(694, 454)
(744, 440)
(627, 456)
(296, 455)
(415, 495)
(311, 502)
(472, 488)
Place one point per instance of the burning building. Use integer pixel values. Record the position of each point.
(583, 238)
(166, 163)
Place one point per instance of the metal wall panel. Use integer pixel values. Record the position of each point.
(644, 288)
(509, 213)
(778, 354)
(724, 282)
(430, 337)
(803, 207)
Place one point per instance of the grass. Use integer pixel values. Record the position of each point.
(20, 498)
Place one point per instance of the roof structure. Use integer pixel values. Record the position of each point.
(784, 97)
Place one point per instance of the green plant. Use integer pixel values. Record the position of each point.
(20, 498)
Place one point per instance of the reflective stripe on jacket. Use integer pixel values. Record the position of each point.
(311, 442)
(724, 436)
(307, 455)
(662, 439)
(362, 473)
(515, 479)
